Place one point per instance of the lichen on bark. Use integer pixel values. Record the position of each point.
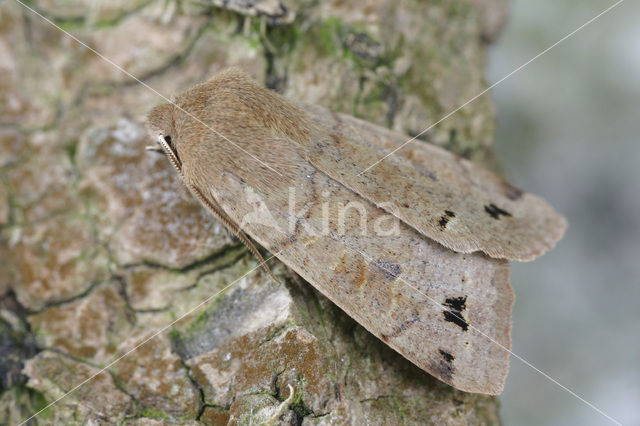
(98, 250)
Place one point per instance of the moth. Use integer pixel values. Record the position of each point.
(433, 284)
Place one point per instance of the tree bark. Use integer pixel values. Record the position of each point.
(99, 251)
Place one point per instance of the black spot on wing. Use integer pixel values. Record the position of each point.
(444, 366)
(495, 211)
(457, 319)
(444, 220)
(456, 306)
(456, 303)
(446, 355)
(443, 223)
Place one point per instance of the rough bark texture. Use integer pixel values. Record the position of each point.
(98, 249)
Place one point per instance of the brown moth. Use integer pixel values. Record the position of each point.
(434, 285)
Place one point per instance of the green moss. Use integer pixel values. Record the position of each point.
(154, 413)
(465, 147)
(250, 406)
(174, 334)
(254, 43)
(330, 36)
(194, 328)
(398, 407)
(277, 331)
(39, 403)
(81, 23)
(20, 402)
(458, 8)
(200, 323)
(298, 407)
(284, 37)
(70, 24)
(327, 37)
(267, 392)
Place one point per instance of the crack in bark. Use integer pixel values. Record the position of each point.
(279, 330)
(211, 258)
(86, 292)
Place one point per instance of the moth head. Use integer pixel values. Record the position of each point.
(160, 123)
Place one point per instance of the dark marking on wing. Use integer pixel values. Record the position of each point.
(390, 270)
(511, 192)
(446, 355)
(402, 327)
(456, 318)
(336, 138)
(444, 220)
(456, 305)
(354, 268)
(296, 229)
(444, 367)
(495, 211)
(428, 173)
(361, 275)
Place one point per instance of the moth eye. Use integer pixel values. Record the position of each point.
(169, 142)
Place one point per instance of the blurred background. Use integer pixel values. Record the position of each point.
(569, 130)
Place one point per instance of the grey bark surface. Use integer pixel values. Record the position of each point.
(99, 249)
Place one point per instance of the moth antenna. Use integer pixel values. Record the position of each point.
(173, 158)
(233, 228)
(215, 210)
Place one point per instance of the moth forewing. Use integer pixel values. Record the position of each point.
(446, 311)
(420, 298)
(446, 198)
